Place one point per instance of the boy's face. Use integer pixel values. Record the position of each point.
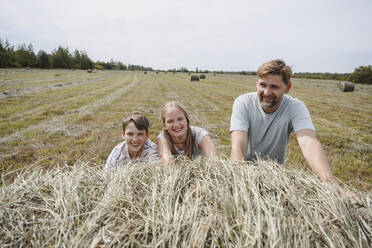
(135, 139)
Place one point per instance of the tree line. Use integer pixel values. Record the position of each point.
(24, 56)
(361, 75)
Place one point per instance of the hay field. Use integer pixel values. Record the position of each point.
(59, 116)
(58, 127)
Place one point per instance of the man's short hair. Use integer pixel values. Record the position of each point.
(138, 119)
(275, 67)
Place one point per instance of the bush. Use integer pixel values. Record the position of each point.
(16, 65)
(98, 67)
(362, 75)
(189, 204)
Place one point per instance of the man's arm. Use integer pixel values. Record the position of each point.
(239, 142)
(316, 158)
(315, 155)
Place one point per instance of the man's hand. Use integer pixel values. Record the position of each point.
(346, 195)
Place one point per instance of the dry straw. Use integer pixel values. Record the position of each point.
(188, 204)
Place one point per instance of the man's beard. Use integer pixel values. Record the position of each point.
(268, 104)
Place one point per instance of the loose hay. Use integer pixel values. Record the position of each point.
(189, 204)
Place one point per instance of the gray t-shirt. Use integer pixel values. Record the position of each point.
(119, 156)
(198, 134)
(268, 134)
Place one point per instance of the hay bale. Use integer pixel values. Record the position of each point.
(206, 204)
(194, 78)
(346, 87)
(202, 76)
(89, 71)
(145, 72)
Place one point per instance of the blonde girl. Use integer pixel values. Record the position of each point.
(179, 138)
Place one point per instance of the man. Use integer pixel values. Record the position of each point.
(262, 121)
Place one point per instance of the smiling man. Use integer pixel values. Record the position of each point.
(262, 121)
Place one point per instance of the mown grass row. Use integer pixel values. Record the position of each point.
(44, 106)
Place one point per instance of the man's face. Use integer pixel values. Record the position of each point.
(135, 139)
(270, 90)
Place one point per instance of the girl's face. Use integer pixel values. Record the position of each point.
(135, 139)
(176, 124)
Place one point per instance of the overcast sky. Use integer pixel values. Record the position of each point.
(311, 36)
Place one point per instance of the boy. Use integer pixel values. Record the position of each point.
(136, 145)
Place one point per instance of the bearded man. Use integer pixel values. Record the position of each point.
(262, 121)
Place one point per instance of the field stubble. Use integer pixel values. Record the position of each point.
(81, 119)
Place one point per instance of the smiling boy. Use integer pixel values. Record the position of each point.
(136, 145)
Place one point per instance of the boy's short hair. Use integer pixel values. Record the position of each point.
(275, 67)
(138, 119)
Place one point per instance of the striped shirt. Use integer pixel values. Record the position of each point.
(120, 156)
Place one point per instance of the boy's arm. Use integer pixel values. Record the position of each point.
(239, 142)
(209, 148)
(165, 153)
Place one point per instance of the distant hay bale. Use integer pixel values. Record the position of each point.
(89, 71)
(145, 72)
(202, 76)
(346, 87)
(194, 78)
(189, 204)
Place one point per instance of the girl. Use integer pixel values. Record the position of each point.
(179, 138)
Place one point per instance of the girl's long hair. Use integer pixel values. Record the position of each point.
(189, 147)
